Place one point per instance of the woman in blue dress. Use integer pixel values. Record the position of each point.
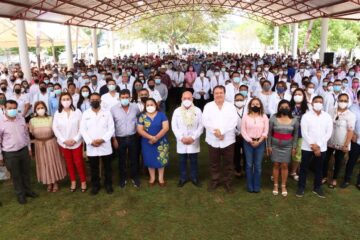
(152, 127)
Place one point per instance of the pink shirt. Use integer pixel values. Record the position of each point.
(254, 127)
(14, 134)
(190, 79)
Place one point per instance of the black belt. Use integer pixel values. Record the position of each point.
(129, 137)
(255, 139)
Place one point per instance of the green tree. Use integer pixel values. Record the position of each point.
(178, 28)
(342, 35)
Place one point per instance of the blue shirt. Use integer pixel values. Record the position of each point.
(355, 108)
(53, 105)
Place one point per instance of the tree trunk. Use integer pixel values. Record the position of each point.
(308, 36)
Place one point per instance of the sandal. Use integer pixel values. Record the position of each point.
(294, 176)
(55, 188)
(332, 185)
(284, 193)
(324, 180)
(73, 189)
(50, 188)
(276, 192)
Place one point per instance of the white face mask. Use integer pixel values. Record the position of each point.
(330, 88)
(310, 90)
(66, 104)
(343, 105)
(187, 103)
(247, 71)
(266, 69)
(150, 109)
(318, 106)
(239, 104)
(40, 112)
(298, 98)
(217, 73)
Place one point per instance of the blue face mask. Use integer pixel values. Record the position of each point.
(157, 81)
(111, 87)
(57, 91)
(345, 85)
(337, 88)
(244, 93)
(236, 80)
(12, 112)
(280, 89)
(124, 101)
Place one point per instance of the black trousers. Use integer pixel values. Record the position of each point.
(353, 157)
(128, 148)
(95, 171)
(306, 158)
(18, 164)
(339, 157)
(239, 154)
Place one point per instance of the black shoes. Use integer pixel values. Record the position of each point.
(122, 183)
(300, 192)
(94, 191)
(196, 182)
(31, 194)
(136, 183)
(319, 192)
(109, 189)
(21, 199)
(181, 183)
(344, 185)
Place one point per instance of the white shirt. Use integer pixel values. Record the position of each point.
(67, 127)
(108, 101)
(178, 77)
(98, 125)
(274, 102)
(316, 129)
(181, 129)
(41, 97)
(270, 77)
(127, 86)
(201, 85)
(224, 119)
(21, 101)
(268, 102)
(33, 90)
(75, 99)
(155, 95)
(215, 81)
(342, 122)
(299, 76)
(231, 91)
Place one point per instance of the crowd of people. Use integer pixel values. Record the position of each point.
(299, 112)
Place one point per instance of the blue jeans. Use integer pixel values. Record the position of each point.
(254, 158)
(193, 166)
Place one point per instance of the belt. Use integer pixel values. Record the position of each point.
(255, 139)
(127, 137)
(282, 136)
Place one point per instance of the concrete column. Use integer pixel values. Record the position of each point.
(68, 46)
(23, 49)
(94, 45)
(323, 37)
(295, 27)
(112, 44)
(276, 39)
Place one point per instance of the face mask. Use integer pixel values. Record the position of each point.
(302, 70)
(298, 98)
(355, 85)
(255, 109)
(150, 109)
(157, 81)
(343, 105)
(337, 88)
(111, 87)
(244, 93)
(57, 91)
(2, 101)
(137, 88)
(247, 71)
(95, 104)
(345, 85)
(325, 84)
(41, 112)
(36, 81)
(17, 91)
(55, 75)
(351, 73)
(285, 72)
(43, 89)
(187, 103)
(66, 103)
(223, 69)
(310, 90)
(12, 112)
(318, 106)
(266, 88)
(151, 87)
(330, 88)
(284, 111)
(239, 104)
(281, 72)
(143, 99)
(3, 89)
(236, 80)
(280, 90)
(124, 102)
(217, 73)
(85, 94)
(266, 69)
(69, 76)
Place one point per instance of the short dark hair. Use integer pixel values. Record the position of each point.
(125, 92)
(317, 97)
(220, 87)
(95, 94)
(343, 94)
(11, 102)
